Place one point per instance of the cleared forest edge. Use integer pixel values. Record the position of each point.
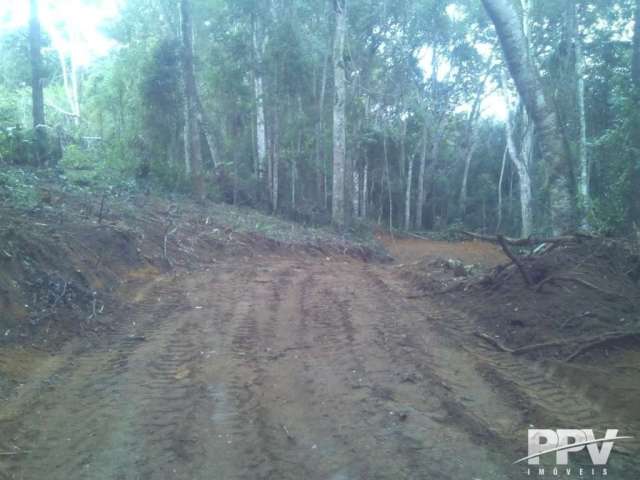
(67, 256)
(228, 353)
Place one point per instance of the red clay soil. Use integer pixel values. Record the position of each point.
(407, 250)
(580, 290)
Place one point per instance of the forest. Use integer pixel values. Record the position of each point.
(319, 239)
(416, 115)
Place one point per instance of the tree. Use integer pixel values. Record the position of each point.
(340, 204)
(260, 39)
(193, 147)
(635, 61)
(37, 93)
(526, 77)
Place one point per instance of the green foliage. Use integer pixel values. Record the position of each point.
(78, 158)
(133, 100)
(16, 187)
(16, 145)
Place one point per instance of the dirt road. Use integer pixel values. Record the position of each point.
(273, 368)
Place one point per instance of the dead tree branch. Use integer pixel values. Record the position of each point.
(600, 341)
(589, 343)
(579, 281)
(523, 242)
(492, 341)
(514, 259)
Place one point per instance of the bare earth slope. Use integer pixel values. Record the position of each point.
(276, 367)
(247, 358)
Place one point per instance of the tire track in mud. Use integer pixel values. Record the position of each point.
(240, 443)
(435, 368)
(531, 388)
(80, 427)
(177, 401)
(278, 368)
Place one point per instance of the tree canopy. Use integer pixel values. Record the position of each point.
(508, 116)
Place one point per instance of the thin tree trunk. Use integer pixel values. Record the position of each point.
(37, 93)
(635, 63)
(472, 136)
(529, 85)
(259, 46)
(403, 148)
(205, 125)
(75, 89)
(407, 199)
(338, 207)
(320, 161)
(192, 129)
(388, 175)
(356, 193)
(500, 181)
(275, 169)
(365, 189)
(187, 141)
(421, 173)
(465, 175)
(583, 159)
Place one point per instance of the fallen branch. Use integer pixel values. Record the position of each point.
(579, 281)
(415, 235)
(495, 343)
(601, 340)
(290, 437)
(514, 259)
(591, 342)
(523, 242)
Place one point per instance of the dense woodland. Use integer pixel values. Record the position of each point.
(516, 117)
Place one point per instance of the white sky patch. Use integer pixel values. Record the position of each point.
(73, 25)
(425, 60)
(493, 104)
(455, 12)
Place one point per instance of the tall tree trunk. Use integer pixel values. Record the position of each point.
(421, 174)
(365, 188)
(37, 94)
(259, 46)
(275, 162)
(319, 150)
(635, 63)
(407, 198)
(583, 158)
(192, 130)
(340, 204)
(355, 197)
(530, 89)
(473, 142)
(388, 176)
(520, 161)
(500, 182)
(472, 136)
(635, 77)
(207, 130)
